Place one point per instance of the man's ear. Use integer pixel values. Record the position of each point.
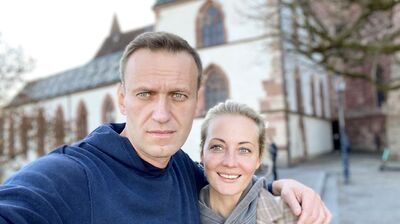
(201, 155)
(121, 98)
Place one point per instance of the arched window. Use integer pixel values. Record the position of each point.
(312, 85)
(321, 93)
(24, 127)
(380, 79)
(11, 150)
(299, 91)
(59, 131)
(216, 87)
(108, 110)
(210, 25)
(81, 121)
(41, 132)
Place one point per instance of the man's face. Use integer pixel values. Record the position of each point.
(159, 100)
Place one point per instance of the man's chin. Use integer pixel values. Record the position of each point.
(165, 151)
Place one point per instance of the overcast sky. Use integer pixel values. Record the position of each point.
(62, 34)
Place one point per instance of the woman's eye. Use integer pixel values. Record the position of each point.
(244, 150)
(216, 148)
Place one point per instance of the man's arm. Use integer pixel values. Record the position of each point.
(45, 192)
(303, 201)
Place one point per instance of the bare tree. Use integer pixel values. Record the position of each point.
(342, 36)
(13, 64)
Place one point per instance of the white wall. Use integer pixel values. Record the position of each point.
(180, 20)
(192, 144)
(317, 134)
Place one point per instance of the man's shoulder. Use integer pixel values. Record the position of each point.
(184, 163)
(52, 188)
(53, 167)
(181, 156)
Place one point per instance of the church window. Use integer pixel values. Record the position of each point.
(321, 93)
(380, 94)
(11, 150)
(25, 126)
(41, 132)
(81, 121)
(59, 130)
(108, 110)
(216, 88)
(210, 25)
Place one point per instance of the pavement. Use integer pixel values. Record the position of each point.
(371, 196)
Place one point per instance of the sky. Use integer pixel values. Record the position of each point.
(63, 34)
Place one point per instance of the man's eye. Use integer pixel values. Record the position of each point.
(216, 148)
(179, 96)
(244, 150)
(143, 95)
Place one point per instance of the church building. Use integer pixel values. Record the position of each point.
(240, 63)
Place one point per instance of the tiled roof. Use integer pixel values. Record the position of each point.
(102, 70)
(160, 2)
(163, 2)
(98, 72)
(117, 41)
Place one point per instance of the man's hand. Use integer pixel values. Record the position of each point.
(303, 201)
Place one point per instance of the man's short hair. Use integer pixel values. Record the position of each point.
(157, 41)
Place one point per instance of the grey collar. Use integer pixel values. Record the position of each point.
(245, 211)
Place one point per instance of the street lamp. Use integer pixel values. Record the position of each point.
(344, 143)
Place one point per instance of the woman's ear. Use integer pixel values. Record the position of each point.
(258, 163)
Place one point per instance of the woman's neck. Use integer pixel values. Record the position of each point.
(223, 204)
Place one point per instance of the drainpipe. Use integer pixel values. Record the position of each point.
(285, 94)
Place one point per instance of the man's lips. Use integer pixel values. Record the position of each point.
(161, 133)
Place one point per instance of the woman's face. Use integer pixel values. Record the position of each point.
(231, 153)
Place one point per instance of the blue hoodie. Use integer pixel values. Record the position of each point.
(101, 179)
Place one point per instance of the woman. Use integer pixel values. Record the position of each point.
(232, 145)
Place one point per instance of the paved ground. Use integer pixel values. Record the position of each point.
(372, 196)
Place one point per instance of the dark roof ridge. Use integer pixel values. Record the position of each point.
(100, 71)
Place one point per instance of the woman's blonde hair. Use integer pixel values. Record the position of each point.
(231, 107)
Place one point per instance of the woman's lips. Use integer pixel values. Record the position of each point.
(229, 176)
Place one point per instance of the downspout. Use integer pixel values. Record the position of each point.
(285, 94)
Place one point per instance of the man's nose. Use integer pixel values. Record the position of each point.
(161, 111)
(230, 159)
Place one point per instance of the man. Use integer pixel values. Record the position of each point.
(133, 172)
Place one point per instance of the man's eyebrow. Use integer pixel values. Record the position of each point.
(180, 89)
(142, 88)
